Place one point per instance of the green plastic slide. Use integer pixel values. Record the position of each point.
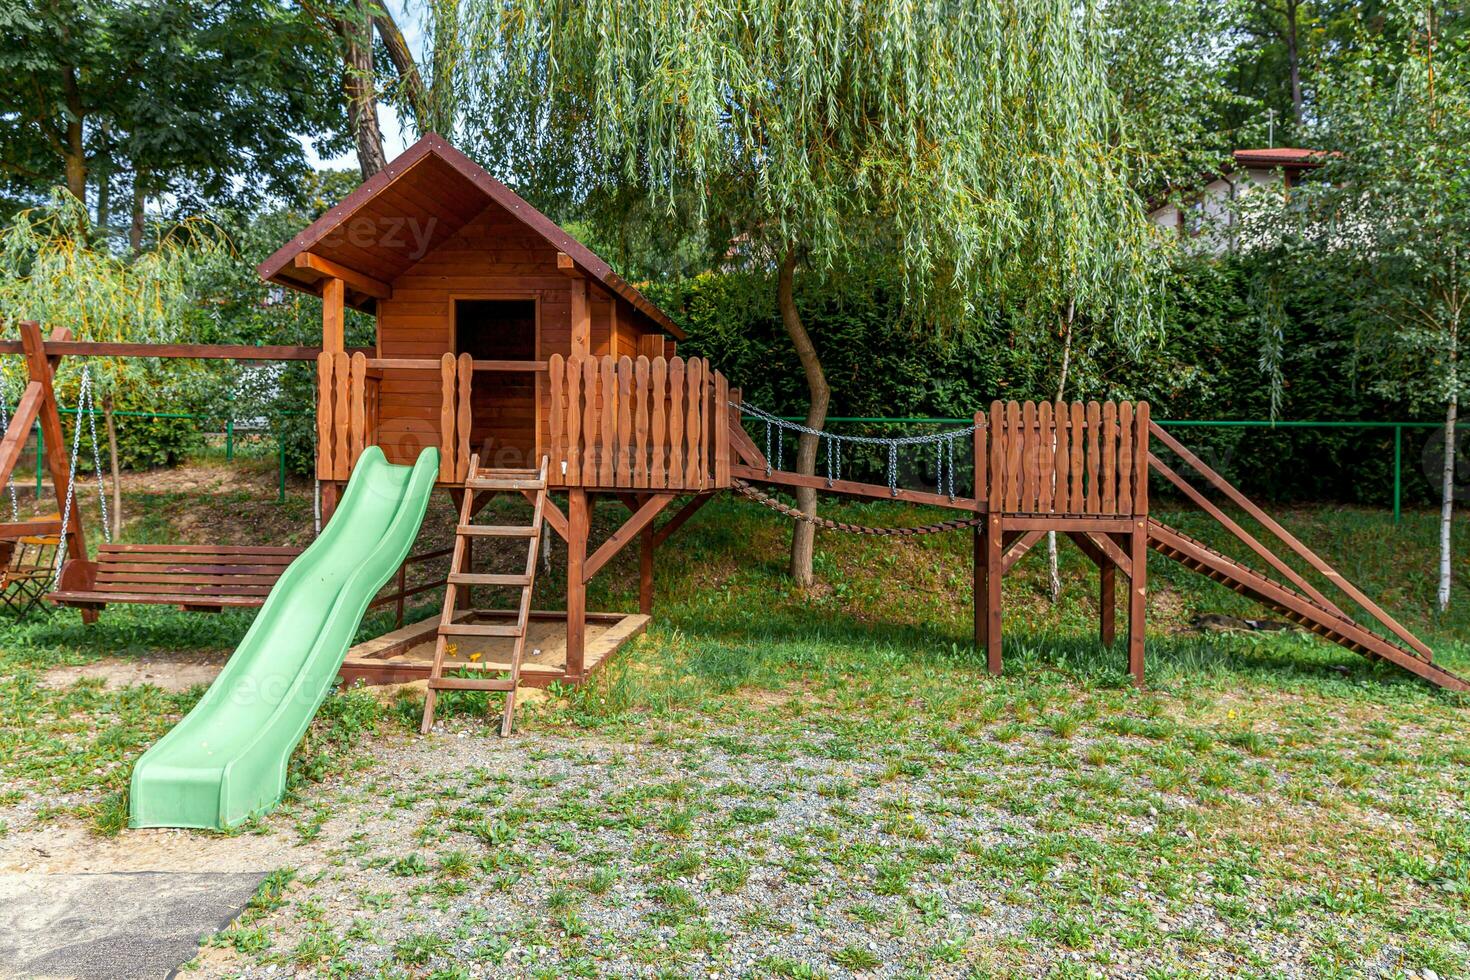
(226, 761)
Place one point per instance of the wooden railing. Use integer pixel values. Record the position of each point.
(1061, 458)
(347, 412)
(657, 423)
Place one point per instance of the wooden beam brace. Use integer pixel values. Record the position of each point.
(220, 352)
(680, 516)
(620, 538)
(1205, 504)
(1018, 548)
(40, 366)
(354, 280)
(1311, 557)
(14, 442)
(852, 488)
(550, 513)
(567, 266)
(1107, 548)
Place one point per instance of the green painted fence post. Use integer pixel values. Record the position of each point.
(229, 439)
(1398, 472)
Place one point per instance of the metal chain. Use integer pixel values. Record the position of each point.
(5, 427)
(96, 455)
(943, 443)
(71, 481)
(766, 500)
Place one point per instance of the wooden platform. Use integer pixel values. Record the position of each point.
(406, 654)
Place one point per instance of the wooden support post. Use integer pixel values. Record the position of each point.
(994, 561)
(578, 524)
(331, 493)
(645, 570)
(333, 337)
(40, 368)
(1137, 596)
(981, 590)
(1107, 601)
(581, 319)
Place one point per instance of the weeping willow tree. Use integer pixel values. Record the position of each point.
(53, 271)
(966, 150)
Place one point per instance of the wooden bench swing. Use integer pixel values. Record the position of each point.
(205, 578)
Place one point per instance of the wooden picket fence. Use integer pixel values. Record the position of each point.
(656, 423)
(1064, 458)
(347, 412)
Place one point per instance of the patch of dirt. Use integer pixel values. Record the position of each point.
(61, 847)
(171, 672)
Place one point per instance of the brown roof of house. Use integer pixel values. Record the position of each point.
(1280, 156)
(421, 198)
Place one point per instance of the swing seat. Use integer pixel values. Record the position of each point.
(196, 577)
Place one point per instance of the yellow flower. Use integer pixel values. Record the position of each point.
(475, 657)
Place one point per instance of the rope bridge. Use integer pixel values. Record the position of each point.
(832, 443)
(943, 443)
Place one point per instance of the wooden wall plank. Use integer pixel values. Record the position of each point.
(1125, 458)
(447, 386)
(693, 428)
(325, 415)
(722, 431)
(1094, 491)
(463, 423)
(341, 438)
(1013, 440)
(676, 423)
(358, 423)
(574, 420)
(640, 422)
(1110, 457)
(659, 409)
(1062, 419)
(1077, 433)
(556, 369)
(1046, 436)
(623, 461)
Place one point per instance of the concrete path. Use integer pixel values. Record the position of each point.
(115, 926)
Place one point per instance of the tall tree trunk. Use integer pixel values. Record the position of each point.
(140, 198)
(1051, 536)
(104, 181)
(1447, 503)
(803, 535)
(74, 150)
(359, 83)
(1293, 60)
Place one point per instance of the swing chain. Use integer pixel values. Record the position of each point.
(84, 402)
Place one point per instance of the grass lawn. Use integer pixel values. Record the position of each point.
(777, 782)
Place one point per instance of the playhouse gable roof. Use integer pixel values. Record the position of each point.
(420, 199)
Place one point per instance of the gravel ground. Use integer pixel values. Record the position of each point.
(726, 854)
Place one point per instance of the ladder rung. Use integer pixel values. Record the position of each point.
(479, 629)
(504, 483)
(483, 578)
(470, 683)
(497, 530)
(494, 666)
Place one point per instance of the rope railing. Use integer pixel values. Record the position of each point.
(943, 443)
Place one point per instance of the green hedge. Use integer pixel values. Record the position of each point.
(1207, 367)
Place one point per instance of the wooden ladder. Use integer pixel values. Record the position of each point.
(460, 575)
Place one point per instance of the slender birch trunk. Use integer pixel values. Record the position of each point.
(1051, 536)
(1447, 488)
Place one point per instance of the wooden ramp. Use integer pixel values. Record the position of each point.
(1293, 605)
(1084, 471)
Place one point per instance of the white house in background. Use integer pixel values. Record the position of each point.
(1206, 212)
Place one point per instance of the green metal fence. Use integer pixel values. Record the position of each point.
(1397, 427)
(229, 431)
